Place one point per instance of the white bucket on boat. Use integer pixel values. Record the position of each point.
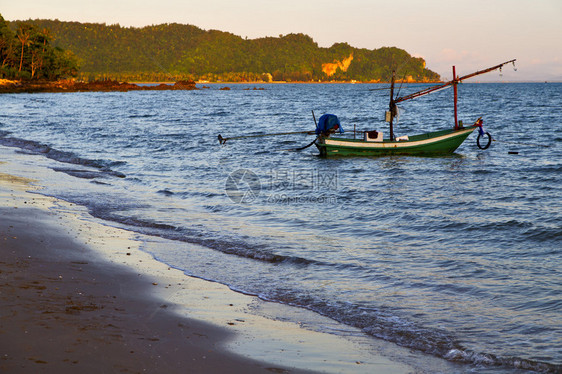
(373, 136)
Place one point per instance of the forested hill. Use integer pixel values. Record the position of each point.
(176, 51)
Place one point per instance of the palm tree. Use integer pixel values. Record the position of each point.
(45, 33)
(23, 34)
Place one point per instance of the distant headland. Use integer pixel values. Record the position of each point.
(52, 50)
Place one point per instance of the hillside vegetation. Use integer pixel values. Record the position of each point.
(26, 53)
(172, 52)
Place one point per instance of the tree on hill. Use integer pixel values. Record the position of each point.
(27, 53)
(23, 35)
(7, 45)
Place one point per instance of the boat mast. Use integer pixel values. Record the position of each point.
(392, 105)
(455, 83)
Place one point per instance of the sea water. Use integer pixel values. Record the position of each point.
(457, 256)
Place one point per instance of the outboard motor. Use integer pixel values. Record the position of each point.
(328, 124)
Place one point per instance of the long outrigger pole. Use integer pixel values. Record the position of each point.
(456, 80)
(223, 140)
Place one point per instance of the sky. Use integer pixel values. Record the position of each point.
(470, 34)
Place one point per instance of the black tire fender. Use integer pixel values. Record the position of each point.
(487, 145)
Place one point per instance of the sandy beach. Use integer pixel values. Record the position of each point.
(79, 296)
(63, 310)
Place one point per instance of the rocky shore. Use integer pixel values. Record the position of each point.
(7, 86)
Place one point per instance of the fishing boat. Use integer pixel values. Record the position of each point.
(430, 143)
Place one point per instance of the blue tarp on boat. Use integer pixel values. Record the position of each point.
(328, 122)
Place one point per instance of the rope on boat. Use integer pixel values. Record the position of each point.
(308, 145)
(300, 148)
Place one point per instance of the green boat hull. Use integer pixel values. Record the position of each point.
(429, 144)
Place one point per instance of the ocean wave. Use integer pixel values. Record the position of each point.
(441, 344)
(81, 173)
(100, 183)
(544, 234)
(225, 245)
(555, 169)
(385, 324)
(165, 192)
(219, 113)
(148, 115)
(38, 148)
(486, 359)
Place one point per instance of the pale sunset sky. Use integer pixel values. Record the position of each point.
(471, 34)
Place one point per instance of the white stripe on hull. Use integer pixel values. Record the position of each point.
(402, 144)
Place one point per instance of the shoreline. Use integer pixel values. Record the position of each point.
(92, 285)
(7, 86)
